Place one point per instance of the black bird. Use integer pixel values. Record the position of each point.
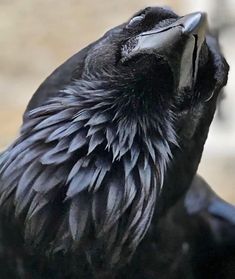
(195, 239)
(114, 134)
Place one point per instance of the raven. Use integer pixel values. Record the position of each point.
(195, 239)
(113, 135)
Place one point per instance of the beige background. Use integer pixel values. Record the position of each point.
(36, 36)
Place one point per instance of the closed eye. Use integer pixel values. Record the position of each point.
(135, 21)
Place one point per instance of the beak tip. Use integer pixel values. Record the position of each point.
(193, 23)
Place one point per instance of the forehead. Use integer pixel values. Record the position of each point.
(163, 13)
(154, 15)
(151, 17)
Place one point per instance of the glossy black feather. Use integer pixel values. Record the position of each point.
(191, 240)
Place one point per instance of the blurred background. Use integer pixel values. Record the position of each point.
(37, 36)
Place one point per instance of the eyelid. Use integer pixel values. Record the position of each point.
(135, 21)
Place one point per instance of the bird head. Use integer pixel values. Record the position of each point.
(155, 58)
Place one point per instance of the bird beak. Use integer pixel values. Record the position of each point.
(179, 43)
